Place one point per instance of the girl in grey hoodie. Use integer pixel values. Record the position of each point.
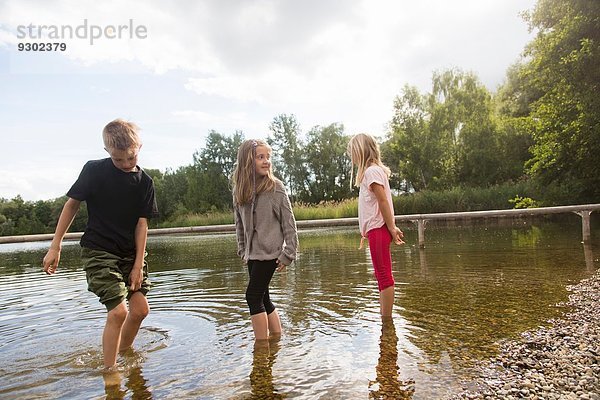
(266, 231)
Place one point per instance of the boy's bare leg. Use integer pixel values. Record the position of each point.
(386, 301)
(260, 325)
(112, 334)
(138, 310)
(274, 324)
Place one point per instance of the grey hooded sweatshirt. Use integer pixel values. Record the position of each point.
(269, 232)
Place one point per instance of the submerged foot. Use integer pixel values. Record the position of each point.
(111, 376)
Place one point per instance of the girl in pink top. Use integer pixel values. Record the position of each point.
(376, 213)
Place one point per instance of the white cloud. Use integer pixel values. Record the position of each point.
(227, 122)
(165, 47)
(232, 43)
(33, 185)
(234, 65)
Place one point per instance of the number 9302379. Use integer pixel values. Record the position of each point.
(41, 46)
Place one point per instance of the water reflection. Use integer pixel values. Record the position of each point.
(423, 260)
(496, 284)
(589, 256)
(387, 384)
(261, 377)
(471, 287)
(112, 385)
(136, 386)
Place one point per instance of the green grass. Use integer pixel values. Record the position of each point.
(425, 202)
(343, 209)
(327, 210)
(212, 218)
(462, 199)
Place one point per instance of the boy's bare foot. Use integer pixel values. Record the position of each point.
(112, 376)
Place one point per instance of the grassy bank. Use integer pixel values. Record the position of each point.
(464, 199)
(342, 209)
(457, 199)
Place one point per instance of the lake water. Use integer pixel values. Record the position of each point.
(471, 287)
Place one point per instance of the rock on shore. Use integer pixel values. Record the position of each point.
(561, 361)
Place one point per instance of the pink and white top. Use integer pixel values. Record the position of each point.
(369, 215)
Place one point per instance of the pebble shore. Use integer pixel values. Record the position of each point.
(561, 361)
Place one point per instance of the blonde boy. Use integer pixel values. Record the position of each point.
(120, 199)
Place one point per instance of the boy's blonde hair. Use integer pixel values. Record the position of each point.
(245, 185)
(364, 151)
(121, 135)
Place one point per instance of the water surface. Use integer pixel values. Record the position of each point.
(471, 287)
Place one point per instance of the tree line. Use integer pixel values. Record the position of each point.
(542, 125)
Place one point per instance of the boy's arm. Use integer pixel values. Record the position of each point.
(65, 220)
(141, 235)
(386, 212)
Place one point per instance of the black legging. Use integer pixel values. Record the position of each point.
(257, 293)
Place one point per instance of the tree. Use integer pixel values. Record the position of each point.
(562, 64)
(288, 160)
(19, 217)
(445, 138)
(515, 96)
(170, 189)
(512, 105)
(515, 140)
(327, 163)
(410, 151)
(208, 177)
(461, 116)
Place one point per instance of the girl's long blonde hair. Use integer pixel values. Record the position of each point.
(364, 151)
(245, 184)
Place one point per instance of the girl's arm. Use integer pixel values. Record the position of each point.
(386, 212)
(136, 275)
(65, 220)
(290, 233)
(239, 231)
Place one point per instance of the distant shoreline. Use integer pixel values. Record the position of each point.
(584, 210)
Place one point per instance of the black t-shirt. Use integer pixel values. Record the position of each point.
(115, 201)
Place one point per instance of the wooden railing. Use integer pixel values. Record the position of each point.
(583, 211)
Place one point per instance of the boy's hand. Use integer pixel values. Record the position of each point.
(50, 261)
(135, 278)
(397, 235)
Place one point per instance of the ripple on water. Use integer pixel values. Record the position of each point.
(455, 299)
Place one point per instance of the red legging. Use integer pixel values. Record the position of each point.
(379, 246)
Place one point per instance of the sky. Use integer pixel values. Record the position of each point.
(180, 69)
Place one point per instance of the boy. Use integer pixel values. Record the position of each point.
(120, 198)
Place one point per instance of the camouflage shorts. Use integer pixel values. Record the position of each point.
(108, 276)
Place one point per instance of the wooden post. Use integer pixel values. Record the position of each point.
(421, 230)
(422, 260)
(585, 225)
(589, 256)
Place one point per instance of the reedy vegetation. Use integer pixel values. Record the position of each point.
(459, 147)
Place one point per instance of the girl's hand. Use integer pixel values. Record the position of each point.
(397, 235)
(280, 266)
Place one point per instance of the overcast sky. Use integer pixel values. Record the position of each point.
(223, 65)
